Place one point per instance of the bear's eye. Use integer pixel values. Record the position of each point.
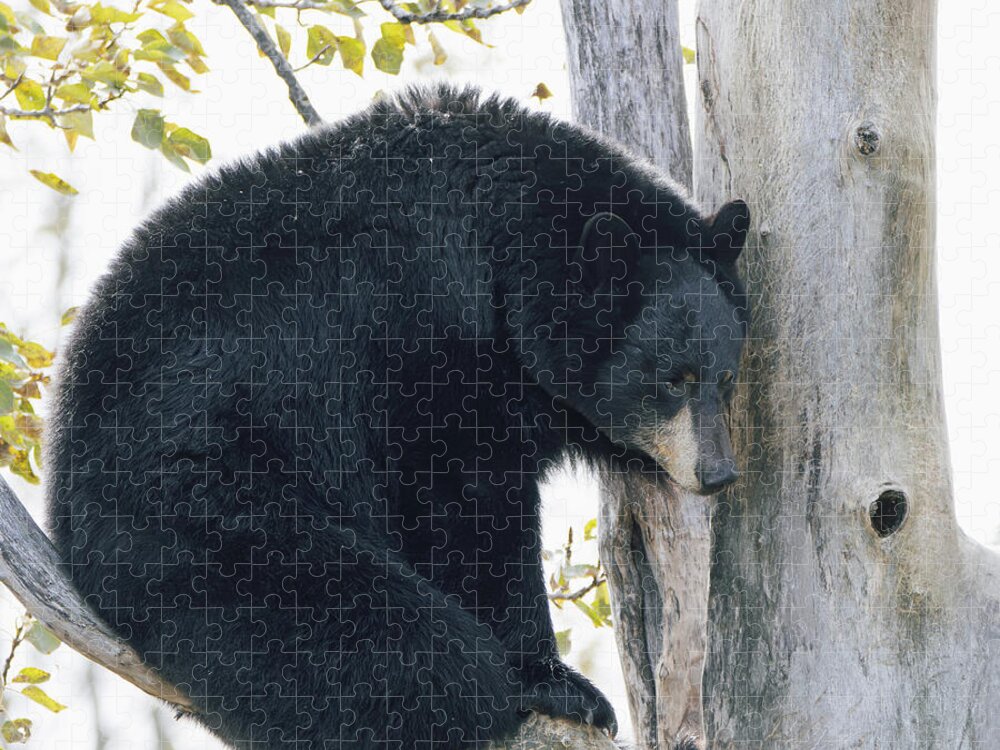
(676, 384)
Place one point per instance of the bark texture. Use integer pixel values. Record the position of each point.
(824, 633)
(626, 73)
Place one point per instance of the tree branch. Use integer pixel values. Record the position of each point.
(437, 16)
(281, 66)
(30, 568)
(47, 112)
(578, 594)
(292, 4)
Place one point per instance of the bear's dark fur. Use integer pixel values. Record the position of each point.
(302, 421)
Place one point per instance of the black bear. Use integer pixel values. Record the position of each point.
(302, 421)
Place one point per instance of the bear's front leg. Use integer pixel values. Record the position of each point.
(492, 560)
(556, 689)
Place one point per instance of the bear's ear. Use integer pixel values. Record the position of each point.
(608, 253)
(726, 232)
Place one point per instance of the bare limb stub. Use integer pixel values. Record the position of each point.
(30, 568)
(437, 16)
(284, 70)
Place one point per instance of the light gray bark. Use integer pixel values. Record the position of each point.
(823, 633)
(626, 74)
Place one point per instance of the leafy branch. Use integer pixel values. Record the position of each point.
(270, 50)
(64, 60)
(440, 15)
(590, 597)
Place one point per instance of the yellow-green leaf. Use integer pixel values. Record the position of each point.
(352, 53)
(32, 676)
(321, 43)
(42, 698)
(42, 5)
(16, 731)
(6, 398)
(394, 32)
(107, 14)
(53, 181)
(74, 93)
(594, 616)
(466, 28)
(43, 639)
(190, 145)
(147, 128)
(104, 72)
(185, 40)
(602, 604)
(69, 316)
(30, 426)
(167, 149)
(81, 123)
(174, 10)
(149, 83)
(30, 94)
(4, 136)
(8, 15)
(387, 52)
(689, 55)
(284, 39)
(47, 47)
(35, 354)
(21, 467)
(590, 529)
(178, 79)
(346, 8)
(439, 54)
(80, 19)
(159, 51)
(197, 64)
(563, 642)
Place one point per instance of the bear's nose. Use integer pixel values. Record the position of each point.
(715, 478)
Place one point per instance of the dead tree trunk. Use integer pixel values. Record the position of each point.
(847, 608)
(626, 72)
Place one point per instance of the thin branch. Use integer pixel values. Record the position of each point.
(46, 112)
(266, 45)
(32, 571)
(579, 593)
(314, 58)
(18, 637)
(13, 86)
(437, 16)
(293, 4)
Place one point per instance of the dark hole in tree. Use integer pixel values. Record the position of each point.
(888, 512)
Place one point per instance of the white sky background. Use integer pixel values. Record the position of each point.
(244, 107)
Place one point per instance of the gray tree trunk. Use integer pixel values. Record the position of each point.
(847, 609)
(822, 630)
(626, 74)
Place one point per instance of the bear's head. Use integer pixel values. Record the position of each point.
(648, 344)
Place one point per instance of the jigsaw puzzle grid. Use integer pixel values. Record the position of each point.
(529, 49)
